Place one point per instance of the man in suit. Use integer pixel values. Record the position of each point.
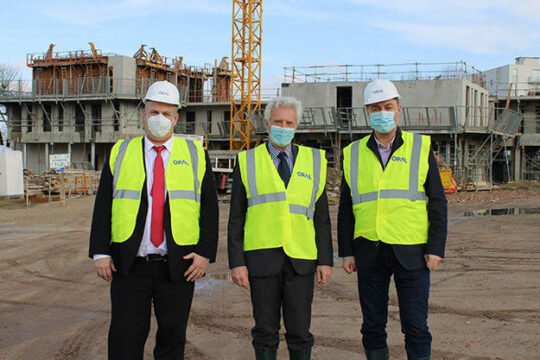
(392, 220)
(279, 231)
(154, 230)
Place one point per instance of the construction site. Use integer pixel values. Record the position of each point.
(62, 123)
(81, 102)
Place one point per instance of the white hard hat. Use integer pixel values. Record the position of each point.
(164, 92)
(379, 90)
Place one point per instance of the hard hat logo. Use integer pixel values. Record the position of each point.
(163, 92)
(379, 90)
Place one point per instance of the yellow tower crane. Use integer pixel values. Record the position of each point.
(246, 71)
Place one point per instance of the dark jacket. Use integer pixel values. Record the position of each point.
(268, 262)
(410, 256)
(124, 254)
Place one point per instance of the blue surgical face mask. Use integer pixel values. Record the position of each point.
(382, 121)
(281, 136)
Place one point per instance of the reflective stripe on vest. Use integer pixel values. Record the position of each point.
(257, 199)
(122, 194)
(412, 194)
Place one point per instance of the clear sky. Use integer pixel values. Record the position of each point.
(484, 33)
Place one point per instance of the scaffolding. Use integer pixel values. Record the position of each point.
(89, 73)
(531, 163)
(368, 72)
(471, 140)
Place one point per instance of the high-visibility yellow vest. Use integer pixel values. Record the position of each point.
(185, 171)
(278, 217)
(389, 205)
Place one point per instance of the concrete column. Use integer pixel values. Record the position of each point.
(24, 155)
(69, 153)
(517, 160)
(93, 154)
(46, 156)
(466, 152)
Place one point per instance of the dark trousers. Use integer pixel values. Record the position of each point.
(413, 293)
(131, 298)
(293, 293)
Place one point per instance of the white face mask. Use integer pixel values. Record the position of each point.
(158, 125)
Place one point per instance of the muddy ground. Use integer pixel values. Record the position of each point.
(485, 299)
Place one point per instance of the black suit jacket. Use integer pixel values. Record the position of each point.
(409, 256)
(268, 262)
(124, 254)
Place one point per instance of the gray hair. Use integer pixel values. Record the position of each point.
(283, 101)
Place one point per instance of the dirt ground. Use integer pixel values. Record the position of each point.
(485, 299)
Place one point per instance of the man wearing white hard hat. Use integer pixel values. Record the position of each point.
(154, 230)
(392, 221)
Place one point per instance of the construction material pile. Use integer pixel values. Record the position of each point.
(81, 182)
(333, 185)
(448, 182)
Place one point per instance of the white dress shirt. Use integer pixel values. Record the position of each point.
(147, 247)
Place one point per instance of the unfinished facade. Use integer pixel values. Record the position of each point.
(518, 87)
(447, 101)
(81, 102)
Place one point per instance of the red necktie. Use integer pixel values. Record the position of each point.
(158, 198)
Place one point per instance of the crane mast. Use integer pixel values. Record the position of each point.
(246, 72)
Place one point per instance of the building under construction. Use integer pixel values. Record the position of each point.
(81, 102)
(518, 87)
(446, 100)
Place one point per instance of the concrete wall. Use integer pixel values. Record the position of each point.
(497, 80)
(201, 118)
(530, 123)
(524, 74)
(124, 74)
(118, 118)
(416, 95)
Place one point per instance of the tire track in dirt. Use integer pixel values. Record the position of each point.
(55, 278)
(207, 321)
(500, 315)
(193, 352)
(72, 347)
(355, 346)
(338, 292)
(42, 305)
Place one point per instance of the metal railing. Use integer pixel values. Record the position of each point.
(106, 86)
(367, 72)
(431, 118)
(531, 168)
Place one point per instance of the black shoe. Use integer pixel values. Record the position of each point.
(381, 354)
(300, 354)
(265, 355)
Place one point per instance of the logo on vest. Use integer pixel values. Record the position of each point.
(301, 174)
(180, 162)
(399, 159)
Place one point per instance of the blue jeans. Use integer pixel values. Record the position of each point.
(413, 294)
